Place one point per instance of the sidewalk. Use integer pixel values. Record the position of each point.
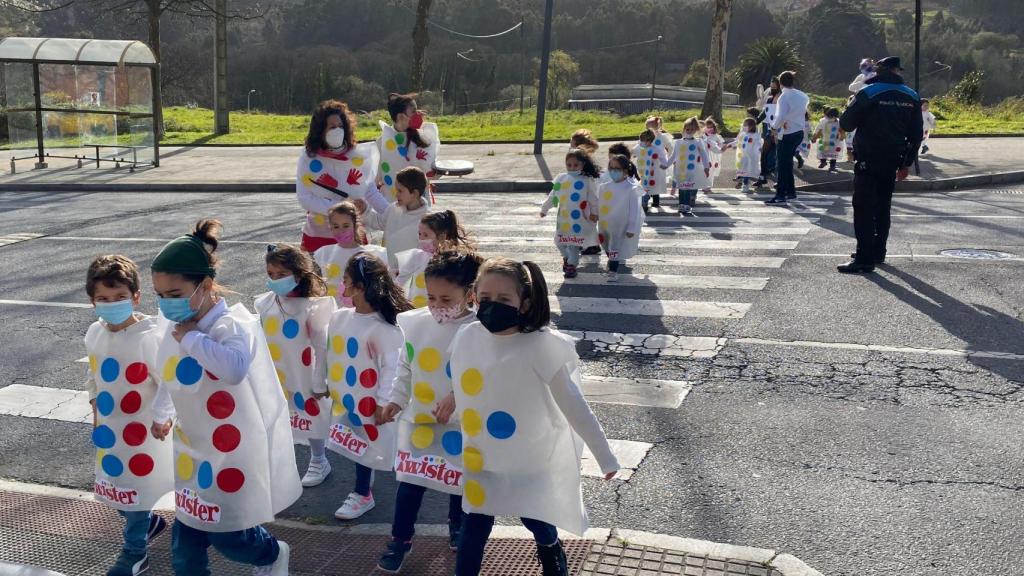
(952, 163)
(65, 531)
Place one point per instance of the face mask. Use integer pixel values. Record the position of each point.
(347, 302)
(114, 313)
(335, 137)
(282, 286)
(428, 246)
(178, 309)
(575, 173)
(617, 175)
(710, 130)
(498, 317)
(416, 121)
(446, 315)
(346, 237)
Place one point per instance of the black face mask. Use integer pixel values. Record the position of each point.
(498, 317)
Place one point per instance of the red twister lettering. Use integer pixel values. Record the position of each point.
(428, 467)
(107, 491)
(189, 503)
(571, 239)
(343, 437)
(301, 424)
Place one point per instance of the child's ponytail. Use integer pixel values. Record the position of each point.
(628, 166)
(589, 167)
(382, 294)
(531, 286)
(301, 265)
(446, 223)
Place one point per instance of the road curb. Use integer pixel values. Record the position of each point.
(917, 185)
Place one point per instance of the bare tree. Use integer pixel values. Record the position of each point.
(420, 41)
(716, 60)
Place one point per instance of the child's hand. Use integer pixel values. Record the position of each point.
(593, 217)
(445, 408)
(182, 328)
(321, 395)
(379, 182)
(390, 411)
(160, 430)
(543, 214)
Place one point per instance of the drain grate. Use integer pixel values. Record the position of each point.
(977, 254)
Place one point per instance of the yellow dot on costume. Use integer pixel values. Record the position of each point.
(338, 344)
(420, 281)
(336, 372)
(472, 381)
(605, 210)
(92, 364)
(332, 291)
(390, 145)
(564, 227)
(471, 422)
(337, 409)
(472, 459)
(430, 359)
(424, 418)
(275, 351)
(422, 437)
(607, 194)
(357, 161)
(182, 437)
(319, 219)
(604, 224)
(281, 377)
(307, 179)
(170, 369)
(333, 270)
(475, 493)
(423, 392)
(272, 326)
(561, 201)
(184, 466)
(99, 456)
(419, 301)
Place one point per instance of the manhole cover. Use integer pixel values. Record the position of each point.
(977, 254)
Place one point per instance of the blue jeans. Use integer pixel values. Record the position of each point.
(136, 527)
(407, 508)
(476, 529)
(253, 546)
(364, 480)
(570, 253)
(687, 198)
(787, 148)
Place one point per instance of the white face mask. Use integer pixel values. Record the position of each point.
(335, 137)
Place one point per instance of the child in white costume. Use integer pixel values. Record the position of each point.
(362, 357)
(233, 459)
(716, 145)
(330, 160)
(294, 316)
(438, 231)
(692, 165)
(829, 136)
(928, 119)
(521, 419)
(619, 212)
(409, 142)
(651, 149)
(400, 220)
(429, 433)
(350, 239)
(748, 153)
(574, 193)
(132, 470)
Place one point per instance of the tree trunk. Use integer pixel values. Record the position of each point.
(221, 110)
(153, 16)
(716, 61)
(420, 41)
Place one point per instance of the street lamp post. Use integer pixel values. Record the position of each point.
(542, 88)
(917, 45)
(248, 101)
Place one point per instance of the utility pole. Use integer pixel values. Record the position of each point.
(654, 73)
(220, 70)
(917, 45)
(542, 91)
(522, 57)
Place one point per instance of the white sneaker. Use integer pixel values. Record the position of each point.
(354, 507)
(745, 189)
(613, 276)
(317, 472)
(279, 567)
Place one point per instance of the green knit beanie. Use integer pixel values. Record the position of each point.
(184, 255)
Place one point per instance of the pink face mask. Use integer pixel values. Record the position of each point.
(346, 237)
(428, 246)
(445, 315)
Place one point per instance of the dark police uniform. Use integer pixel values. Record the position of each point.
(887, 117)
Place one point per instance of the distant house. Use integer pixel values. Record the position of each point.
(636, 98)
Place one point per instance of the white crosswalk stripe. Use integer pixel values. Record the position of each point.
(664, 281)
(499, 242)
(618, 306)
(648, 259)
(674, 218)
(7, 239)
(652, 231)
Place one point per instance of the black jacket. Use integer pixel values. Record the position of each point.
(887, 117)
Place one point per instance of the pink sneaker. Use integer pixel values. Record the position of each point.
(355, 506)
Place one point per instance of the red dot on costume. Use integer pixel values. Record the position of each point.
(367, 406)
(211, 376)
(226, 438)
(655, 156)
(652, 183)
(368, 378)
(140, 464)
(230, 480)
(131, 402)
(371, 432)
(134, 434)
(220, 404)
(583, 205)
(600, 238)
(307, 356)
(312, 407)
(136, 373)
(838, 148)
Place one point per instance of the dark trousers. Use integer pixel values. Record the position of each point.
(873, 184)
(253, 546)
(788, 146)
(476, 529)
(407, 508)
(364, 480)
(768, 153)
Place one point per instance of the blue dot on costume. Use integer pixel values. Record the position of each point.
(650, 151)
(290, 328)
(103, 437)
(388, 180)
(189, 371)
(575, 214)
(501, 425)
(576, 228)
(104, 403)
(109, 370)
(448, 370)
(575, 197)
(693, 146)
(112, 465)
(578, 185)
(355, 419)
(352, 347)
(403, 151)
(689, 166)
(316, 166)
(452, 442)
(350, 376)
(691, 157)
(657, 142)
(348, 402)
(205, 476)
(300, 402)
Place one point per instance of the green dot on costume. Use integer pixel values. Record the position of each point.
(399, 138)
(112, 465)
(290, 329)
(409, 351)
(501, 425)
(103, 437)
(452, 442)
(188, 371)
(385, 167)
(205, 476)
(104, 403)
(109, 370)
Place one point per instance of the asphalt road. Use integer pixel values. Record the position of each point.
(863, 462)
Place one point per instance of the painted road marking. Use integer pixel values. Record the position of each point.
(657, 231)
(702, 244)
(663, 281)
(16, 237)
(650, 344)
(51, 304)
(629, 454)
(635, 391)
(682, 308)
(962, 353)
(648, 259)
(48, 403)
(674, 218)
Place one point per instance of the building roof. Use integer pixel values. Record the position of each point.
(76, 51)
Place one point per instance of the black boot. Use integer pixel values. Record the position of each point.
(878, 258)
(855, 267)
(656, 200)
(552, 559)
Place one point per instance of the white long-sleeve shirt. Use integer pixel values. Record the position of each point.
(791, 111)
(582, 419)
(228, 359)
(401, 227)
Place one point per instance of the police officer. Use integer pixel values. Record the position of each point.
(886, 114)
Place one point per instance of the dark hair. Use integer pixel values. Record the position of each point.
(589, 167)
(532, 288)
(318, 124)
(399, 103)
(112, 271)
(446, 223)
(787, 78)
(647, 135)
(458, 267)
(208, 232)
(925, 101)
(711, 120)
(412, 178)
(382, 294)
(618, 148)
(752, 122)
(753, 112)
(584, 140)
(627, 164)
(347, 208)
(831, 112)
(300, 264)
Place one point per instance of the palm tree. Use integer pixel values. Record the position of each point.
(764, 59)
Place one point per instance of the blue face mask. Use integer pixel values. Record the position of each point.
(178, 309)
(616, 175)
(114, 313)
(575, 173)
(282, 286)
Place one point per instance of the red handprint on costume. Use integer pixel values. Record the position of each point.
(421, 154)
(354, 176)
